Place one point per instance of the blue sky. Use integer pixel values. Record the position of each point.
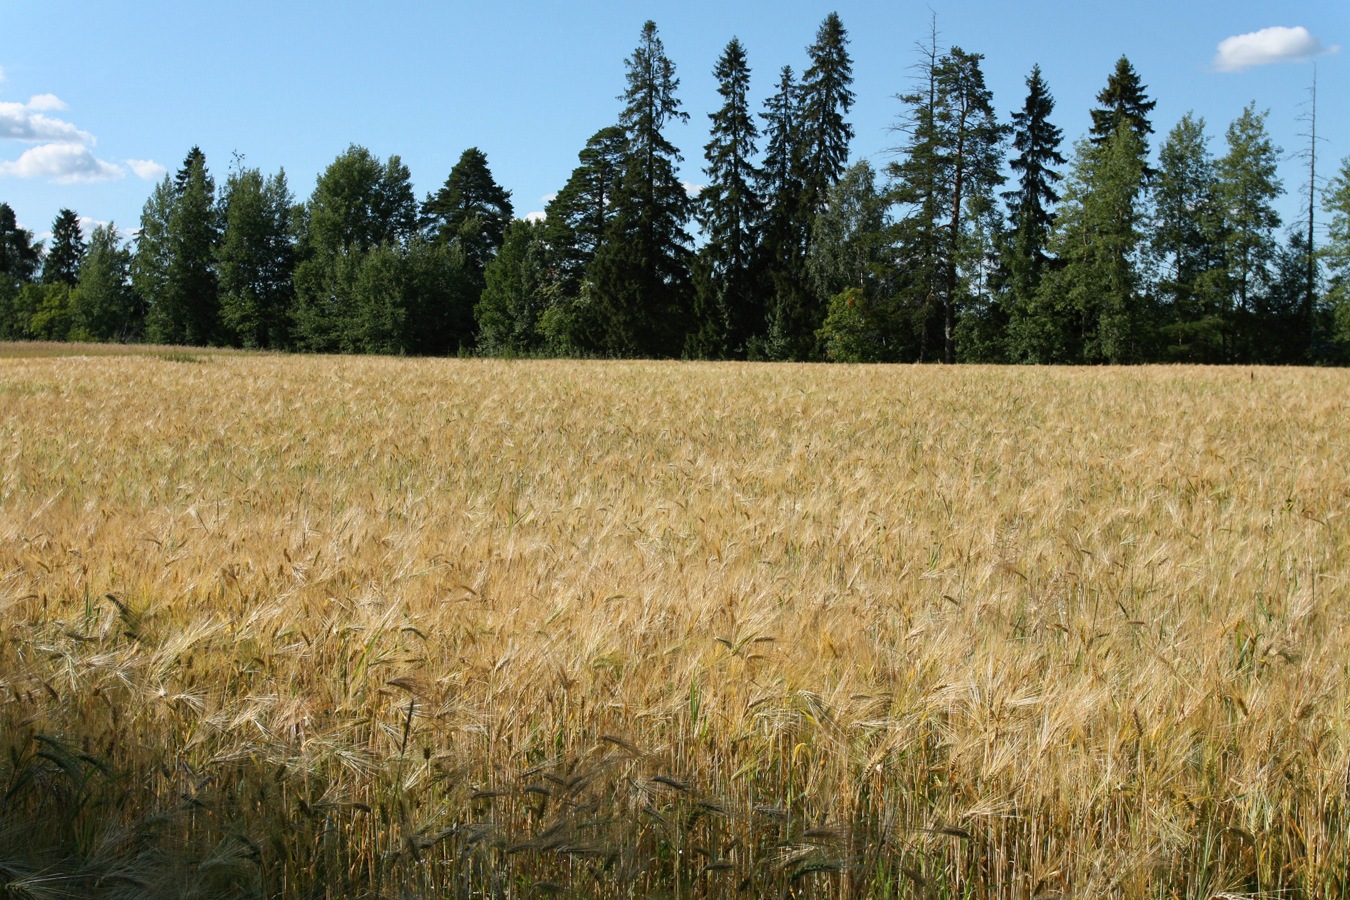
(98, 99)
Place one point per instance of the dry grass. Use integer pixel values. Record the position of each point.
(304, 627)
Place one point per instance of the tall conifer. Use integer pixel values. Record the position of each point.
(641, 273)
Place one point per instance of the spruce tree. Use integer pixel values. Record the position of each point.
(729, 210)
(1124, 101)
(641, 273)
(1030, 207)
(826, 99)
(358, 204)
(785, 228)
(1091, 307)
(62, 262)
(174, 267)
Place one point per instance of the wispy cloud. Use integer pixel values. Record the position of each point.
(147, 169)
(1269, 45)
(61, 163)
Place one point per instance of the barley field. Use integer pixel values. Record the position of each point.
(303, 627)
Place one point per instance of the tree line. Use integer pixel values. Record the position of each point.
(979, 241)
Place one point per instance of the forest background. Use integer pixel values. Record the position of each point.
(974, 237)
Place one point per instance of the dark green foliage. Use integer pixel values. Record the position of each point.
(174, 267)
(358, 204)
(517, 293)
(103, 307)
(950, 168)
(785, 229)
(641, 273)
(256, 259)
(1186, 242)
(1030, 207)
(1123, 102)
(19, 255)
(1280, 318)
(62, 262)
(729, 210)
(825, 99)
(1091, 308)
(1246, 186)
(470, 210)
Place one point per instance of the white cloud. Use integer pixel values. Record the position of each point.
(25, 122)
(549, 198)
(62, 163)
(46, 102)
(537, 216)
(1269, 45)
(693, 190)
(63, 153)
(147, 169)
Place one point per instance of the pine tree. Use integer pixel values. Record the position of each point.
(641, 273)
(1030, 215)
(256, 259)
(62, 262)
(470, 209)
(576, 220)
(918, 192)
(729, 210)
(952, 168)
